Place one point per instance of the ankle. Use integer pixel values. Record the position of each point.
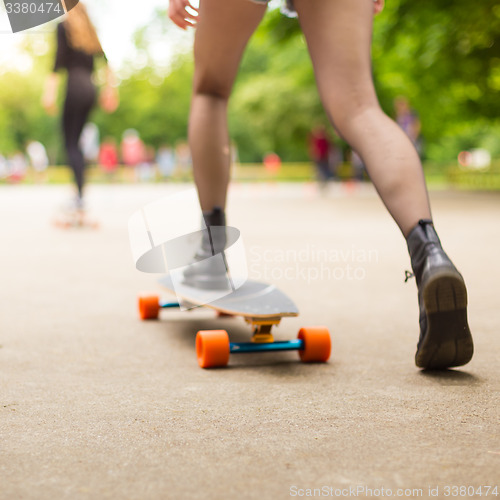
(424, 247)
(215, 217)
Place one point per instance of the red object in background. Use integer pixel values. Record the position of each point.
(272, 162)
(108, 156)
(133, 151)
(319, 145)
(16, 177)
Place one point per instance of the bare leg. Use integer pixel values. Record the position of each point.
(223, 31)
(338, 34)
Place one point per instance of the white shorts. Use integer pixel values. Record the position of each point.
(286, 9)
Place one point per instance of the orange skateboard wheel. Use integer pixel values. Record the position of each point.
(317, 344)
(149, 306)
(212, 348)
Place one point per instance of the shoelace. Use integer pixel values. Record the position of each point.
(408, 276)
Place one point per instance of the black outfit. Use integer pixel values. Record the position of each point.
(80, 98)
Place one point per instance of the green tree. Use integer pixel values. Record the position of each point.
(275, 102)
(21, 115)
(443, 55)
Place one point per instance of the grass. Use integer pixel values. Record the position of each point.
(437, 175)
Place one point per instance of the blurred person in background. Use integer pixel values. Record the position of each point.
(165, 158)
(133, 152)
(17, 166)
(4, 168)
(38, 158)
(146, 169)
(409, 121)
(77, 48)
(108, 157)
(89, 143)
(183, 156)
(319, 151)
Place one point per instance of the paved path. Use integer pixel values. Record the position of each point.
(95, 404)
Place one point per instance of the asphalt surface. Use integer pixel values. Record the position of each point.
(95, 404)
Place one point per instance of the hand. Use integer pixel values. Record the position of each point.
(178, 13)
(49, 104)
(378, 6)
(49, 97)
(109, 99)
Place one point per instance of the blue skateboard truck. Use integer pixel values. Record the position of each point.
(262, 306)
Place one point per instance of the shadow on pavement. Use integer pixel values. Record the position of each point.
(451, 377)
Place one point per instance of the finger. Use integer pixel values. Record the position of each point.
(191, 17)
(182, 18)
(187, 4)
(184, 21)
(178, 20)
(189, 12)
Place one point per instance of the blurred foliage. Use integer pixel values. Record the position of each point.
(443, 55)
(156, 107)
(21, 115)
(275, 101)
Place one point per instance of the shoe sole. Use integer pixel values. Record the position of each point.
(448, 341)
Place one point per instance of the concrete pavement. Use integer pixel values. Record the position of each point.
(95, 404)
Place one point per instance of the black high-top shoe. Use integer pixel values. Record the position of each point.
(210, 274)
(445, 338)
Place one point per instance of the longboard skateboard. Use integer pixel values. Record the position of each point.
(70, 219)
(262, 306)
